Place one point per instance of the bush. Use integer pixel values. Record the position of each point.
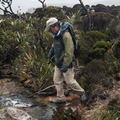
(53, 11)
(87, 42)
(8, 46)
(99, 21)
(99, 48)
(93, 73)
(94, 36)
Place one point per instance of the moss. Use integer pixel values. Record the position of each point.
(2, 110)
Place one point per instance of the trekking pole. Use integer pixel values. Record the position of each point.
(50, 61)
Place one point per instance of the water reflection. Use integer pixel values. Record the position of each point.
(42, 112)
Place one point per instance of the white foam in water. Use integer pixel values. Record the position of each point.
(14, 102)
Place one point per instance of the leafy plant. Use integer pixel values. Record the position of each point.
(74, 17)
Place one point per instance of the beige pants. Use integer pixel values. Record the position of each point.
(68, 77)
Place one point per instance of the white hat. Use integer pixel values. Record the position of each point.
(50, 22)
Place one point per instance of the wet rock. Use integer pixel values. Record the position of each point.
(11, 113)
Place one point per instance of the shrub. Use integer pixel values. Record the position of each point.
(99, 48)
(93, 73)
(90, 38)
(53, 11)
(99, 21)
(87, 42)
(94, 36)
(8, 46)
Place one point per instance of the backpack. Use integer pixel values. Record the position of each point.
(75, 43)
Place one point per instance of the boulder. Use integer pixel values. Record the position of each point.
(12, 113)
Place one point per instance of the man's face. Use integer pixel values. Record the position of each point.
(92, 12)
(54, 30)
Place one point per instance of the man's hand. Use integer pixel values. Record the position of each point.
(50, 61)
(64, 68)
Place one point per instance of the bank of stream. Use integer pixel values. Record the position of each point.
(12, 93)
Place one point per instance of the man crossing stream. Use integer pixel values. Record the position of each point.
(64, 58)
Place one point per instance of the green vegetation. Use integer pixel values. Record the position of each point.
(99, 48)
(111, 111)
(65, 114)
(22, 53)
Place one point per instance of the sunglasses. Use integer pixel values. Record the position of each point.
(53, 25)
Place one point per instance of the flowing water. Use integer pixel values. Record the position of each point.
(14, 94)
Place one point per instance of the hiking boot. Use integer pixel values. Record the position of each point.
(57, 101)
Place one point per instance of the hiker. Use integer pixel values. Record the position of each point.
(91, 10)
(64, 63)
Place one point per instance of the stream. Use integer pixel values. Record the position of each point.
(14, 94)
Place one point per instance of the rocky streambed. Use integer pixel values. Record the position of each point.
(13, 94)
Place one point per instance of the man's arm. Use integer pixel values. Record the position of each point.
(69, 51)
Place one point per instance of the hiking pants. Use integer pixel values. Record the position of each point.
(68, 77)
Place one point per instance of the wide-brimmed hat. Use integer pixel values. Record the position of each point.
(50, 22)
